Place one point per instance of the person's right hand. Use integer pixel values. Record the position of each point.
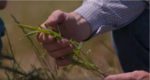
(71, 26)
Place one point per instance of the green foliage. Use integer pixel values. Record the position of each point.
(78, 57)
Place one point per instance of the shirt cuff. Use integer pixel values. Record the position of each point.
(90, 11)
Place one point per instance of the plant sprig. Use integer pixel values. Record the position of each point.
(78, 57)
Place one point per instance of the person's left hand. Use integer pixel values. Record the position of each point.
(135, 75)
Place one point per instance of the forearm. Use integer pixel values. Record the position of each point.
(107, 15)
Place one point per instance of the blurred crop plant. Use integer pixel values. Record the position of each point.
(14, 71)
(48, 71)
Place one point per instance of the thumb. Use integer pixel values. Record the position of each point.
(57, 17)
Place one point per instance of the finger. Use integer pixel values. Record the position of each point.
(56, 45)
(57, 17)
(63, 61)
(43, 25)
(123, 76)
(62, 52)
(140, 75)
(41, 37)
(63, 42)
(50, 47)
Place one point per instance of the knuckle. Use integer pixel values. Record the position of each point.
(58, 11)
(43, 25)
(47, 39)
(138, 72)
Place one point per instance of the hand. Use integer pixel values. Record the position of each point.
(72, 26)
(3, 4)
(135, 75)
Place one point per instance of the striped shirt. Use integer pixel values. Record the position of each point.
(107, 15)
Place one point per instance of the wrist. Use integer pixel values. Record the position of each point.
(83, 27)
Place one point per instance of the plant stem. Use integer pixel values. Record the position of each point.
(78, 57)
(12, 70)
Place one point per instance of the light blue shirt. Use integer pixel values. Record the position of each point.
(107, 15)
(131, 42)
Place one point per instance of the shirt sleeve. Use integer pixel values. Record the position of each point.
(107, 15)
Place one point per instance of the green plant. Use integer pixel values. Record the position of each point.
(78, 57)
(15, 72)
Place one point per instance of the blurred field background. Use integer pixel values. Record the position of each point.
(34, 13)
